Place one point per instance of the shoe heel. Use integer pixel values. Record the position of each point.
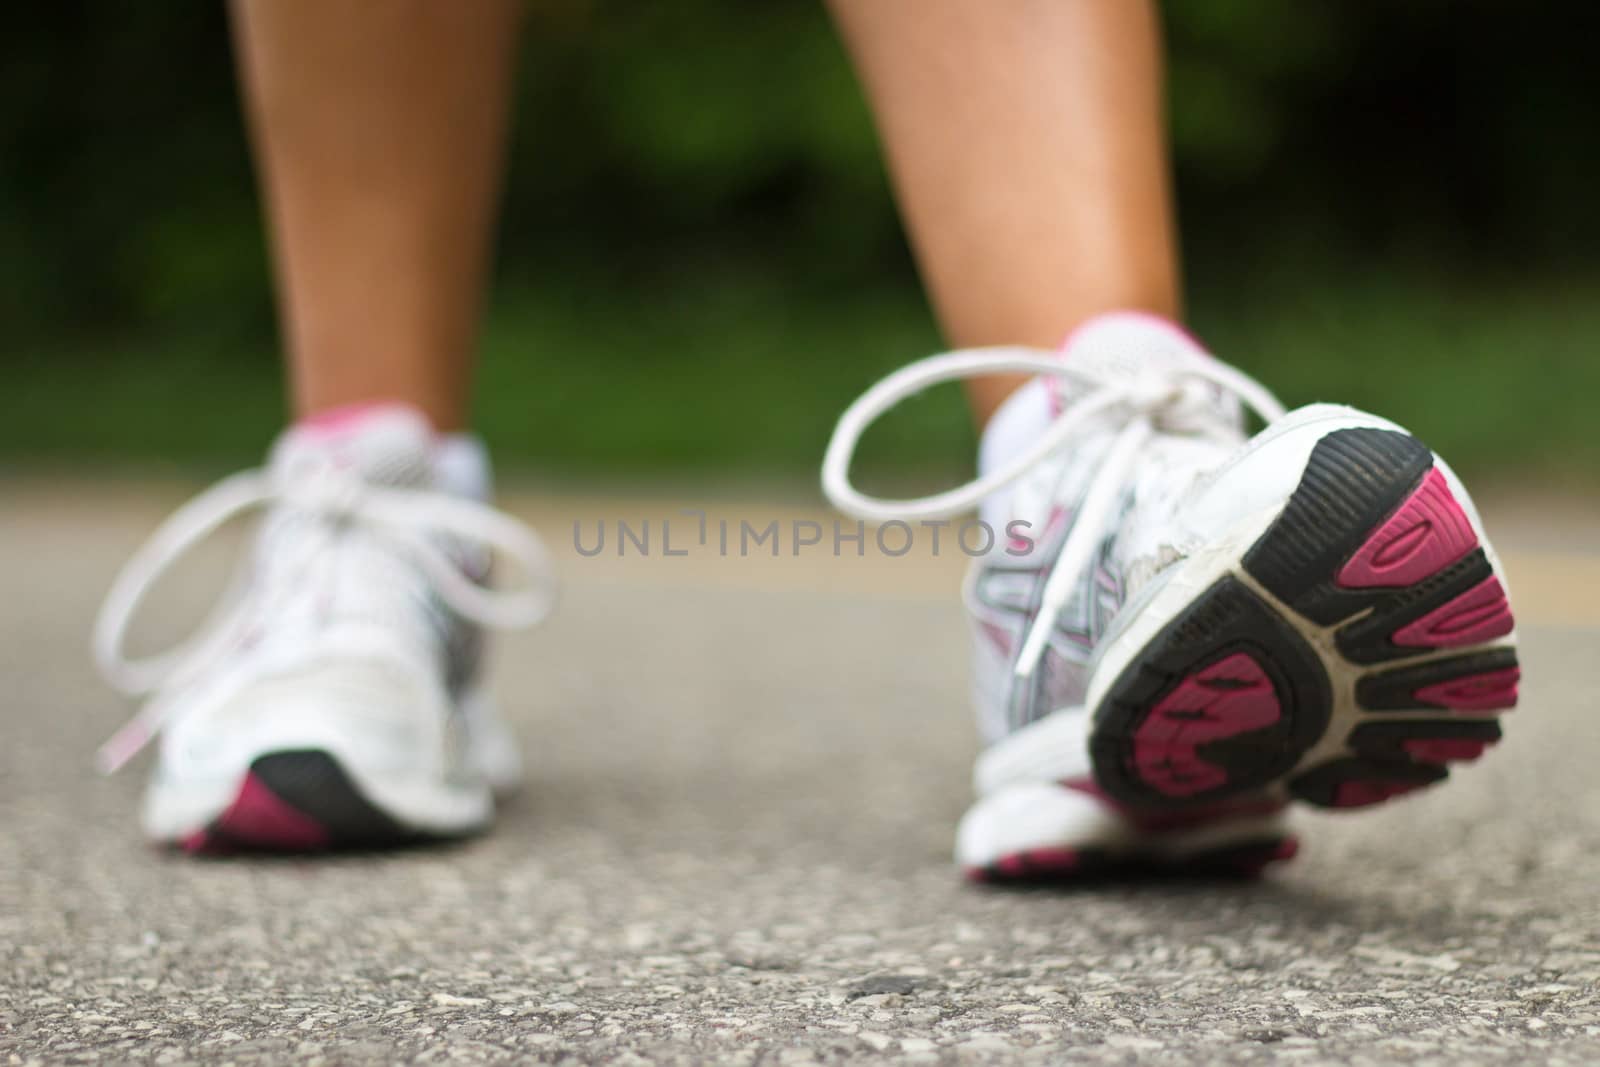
(1369, 610)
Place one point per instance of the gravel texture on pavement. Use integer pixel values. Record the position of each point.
(735, 848)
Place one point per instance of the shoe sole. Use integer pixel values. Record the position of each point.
(1353, 654)
(1055, 866)
(299, 801)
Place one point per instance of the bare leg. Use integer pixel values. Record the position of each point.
(379, 130)
(1026, 141)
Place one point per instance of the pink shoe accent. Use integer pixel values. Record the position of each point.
(1051, 860)
(1128, 316)
(1011, 866)
(1032, 863)
(1445, 749)
(1360, 793)
(1119, 317)
(332, 422)
(1230, 697)
(1479, 614)
(1022, 545)
(258, 818)
(1489, 691)
(998, 636)
(1429, 532)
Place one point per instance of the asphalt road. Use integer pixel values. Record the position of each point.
(735, 849)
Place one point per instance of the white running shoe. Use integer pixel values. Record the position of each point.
(1190, 629)
(334, 698)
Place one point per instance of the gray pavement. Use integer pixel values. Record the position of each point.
(735, 849)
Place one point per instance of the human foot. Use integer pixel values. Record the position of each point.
(1196, 628)
(336, 698)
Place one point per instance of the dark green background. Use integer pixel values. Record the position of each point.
(1391, 204)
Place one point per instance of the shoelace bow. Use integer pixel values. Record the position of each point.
(1168, 400)
(409, 518)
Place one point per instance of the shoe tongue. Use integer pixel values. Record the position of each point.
(382, 444)
(1131, 345)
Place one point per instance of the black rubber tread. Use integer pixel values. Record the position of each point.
(1226, 619)
(1394, 690)
(1353, 481)
(312, 782)
(1369, 638)
(1386, 741)
(1320, 785)
(1245, 859)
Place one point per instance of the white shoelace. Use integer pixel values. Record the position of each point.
(1142, 405)
(408, 518)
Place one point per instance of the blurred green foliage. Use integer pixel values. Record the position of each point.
(1389, 203)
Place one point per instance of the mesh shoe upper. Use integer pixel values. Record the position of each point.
(354, 623)
(1133, 540)
(1137, 415)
